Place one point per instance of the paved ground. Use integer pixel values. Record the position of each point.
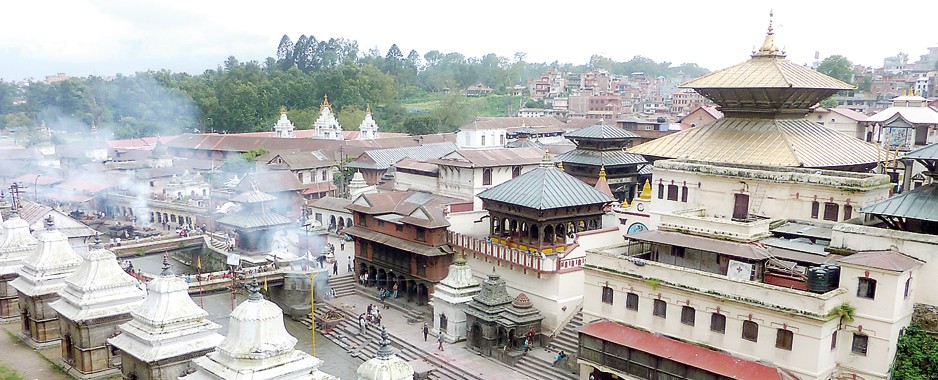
(30, 364)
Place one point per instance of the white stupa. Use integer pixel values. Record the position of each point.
(368, 129)
(284, 127)
(450, 299)
(385, 365)
(40, 278)
(166, 331)
(97, 298)
(15, 243)
(327, 126)
(257, 347)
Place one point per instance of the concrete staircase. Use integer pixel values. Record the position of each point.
(342, 285)
(346, 335)
(568, 340)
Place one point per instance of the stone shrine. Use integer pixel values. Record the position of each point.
(42, 276)
(166, 331)
(97, 298)
(499, 324)
(15, 243)
(450, 298)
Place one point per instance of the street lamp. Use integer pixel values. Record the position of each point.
(312, 308)
(35, 189)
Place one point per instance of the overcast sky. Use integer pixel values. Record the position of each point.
(104, 37)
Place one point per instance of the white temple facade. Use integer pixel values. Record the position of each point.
(42, 276)
(258, 347)
(386, 365)
(284, 127)
(166, 332)
(15, 243)
(327, 126)
(368, 129)
(450, 299)
(97, 298)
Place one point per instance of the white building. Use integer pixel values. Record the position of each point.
(465, 173)
(327, 126)
(843, 120)
(908, 124)
(284, 127)
(368, 129)
(450, 298)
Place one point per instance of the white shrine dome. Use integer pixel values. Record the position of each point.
(385, 365)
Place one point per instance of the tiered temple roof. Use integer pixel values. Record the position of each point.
(15, 243)
(45, 271)
(99, 288)
(544, 188)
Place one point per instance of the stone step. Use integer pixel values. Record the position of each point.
(538, 368)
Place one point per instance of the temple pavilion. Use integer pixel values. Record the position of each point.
(15, 243)
(253, 224)
(764, 101)
(257, 347)
(166, 331)
(97, 298)
(386, 365)
(42, 276)
(603, 146)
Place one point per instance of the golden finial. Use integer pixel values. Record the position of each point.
(283, 110)
(368, 109)
(560, 165)
(602, 173)
(625, 203)
(646, 190)
(325, 103)
(547, 162)
(768, 48)
(460, 259)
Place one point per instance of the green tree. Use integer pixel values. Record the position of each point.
(350, 117)
(916, 355)
(421, 124)
(285, 53)
(838, 67)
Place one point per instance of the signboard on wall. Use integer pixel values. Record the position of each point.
(739, 270)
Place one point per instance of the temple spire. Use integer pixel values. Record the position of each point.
(768, 48)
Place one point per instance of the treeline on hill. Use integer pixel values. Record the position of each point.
(245, 96)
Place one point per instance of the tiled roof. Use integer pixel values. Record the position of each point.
(486, 158)
(741, 250)
(601, 131)
(383, 158)
(304, 160)
(318, 187)
(271, 182)
(777, 142)
(545, 188)
(929, 152)
(396, 242)
(332, 203)
(767, 72)
(920, 203)
(886, 260)
(724, 365)
(849, 113)
(608, 158)
(409, 163)
(416, 207)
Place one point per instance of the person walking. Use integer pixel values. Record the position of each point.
(342, 244)
(439, 339)
(350, 264)
(335, 268)
(426, 331)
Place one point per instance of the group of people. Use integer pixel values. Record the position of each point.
(439, 337)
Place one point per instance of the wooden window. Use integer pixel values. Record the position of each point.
(848, 212)
(740, 206)
(486, 177)
(631, 301)
(783, 339)
(684, 194)
(718, 323)
(399, 228)
(421, 234)
(607, 295)
(908, 286)
(687, 315)
(515, 171)
(380, 223)
(815, 209)
(363, 219)
(860, 343)
(660, 191)
(672, 192)
(866, 288)
(677, 252)
(483, 140)
(660, 309)
(831, 211)
(750, 331)
(834, 340)
(299, 176)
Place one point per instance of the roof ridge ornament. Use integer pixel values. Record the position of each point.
(325, 103)
(768, 48)
(254, 290)
(166, 271)
(547, 161)
(385, 350)
(283, 109)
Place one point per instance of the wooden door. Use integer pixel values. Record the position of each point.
(741, 206)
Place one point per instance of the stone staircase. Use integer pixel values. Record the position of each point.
(342, 285)
(568, 340)
(346, 335)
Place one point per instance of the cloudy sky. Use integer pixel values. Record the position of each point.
(104, 37)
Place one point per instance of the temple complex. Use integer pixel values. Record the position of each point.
(327, 126)
(253, 224)
(385, 365)
(450, 298)
(15, 244)
(166, 331)
(257, 347)
(97, 298)
(764, 101)
(284, 127)
(603, 146)
(42, 276)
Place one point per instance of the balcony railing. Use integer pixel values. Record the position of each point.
(528, 258)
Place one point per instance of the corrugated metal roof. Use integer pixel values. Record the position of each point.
(332, 203)
(271, 182)
(920, 204)
(741, 250)
(396, 242)
(915, 115)
(601, 131)
(383, 158)
(545, 188)
(767, 72)
(608, 158)
(774, 142)
(685, 353)
(925, 153)
(491, 157)
(886, 260)
(254, 220)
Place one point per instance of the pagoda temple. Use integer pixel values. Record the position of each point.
(253, 223)
(166, 331)
(327, 126)
(15, 243)
(604, 146)
(450, 298)
(257, 347)
(764, 101)
(42, 276)
(97, 298)
(386, 365)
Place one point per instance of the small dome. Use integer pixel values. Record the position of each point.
(522, 302)
(385, 365)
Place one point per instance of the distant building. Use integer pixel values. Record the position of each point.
(327, 126)
(478, 90)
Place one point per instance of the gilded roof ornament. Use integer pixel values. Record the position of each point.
(325, 103)
(602, 172)
(283, 110)
(768, 48)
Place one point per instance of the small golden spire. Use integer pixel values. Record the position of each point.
(602, 173)
(460, 259)
(560, 165)
(646, 190)
(283, 110)
(625, 203)
(368, 109)
(325, 103)
(768, 48)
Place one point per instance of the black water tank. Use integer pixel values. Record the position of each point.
(833, 276)
(817, 280)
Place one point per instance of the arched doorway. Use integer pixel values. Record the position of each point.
(331, 223)
(381, 279)
(444, 322)
(422, 295)
(372, 273)
(475, 336)
(348, 222)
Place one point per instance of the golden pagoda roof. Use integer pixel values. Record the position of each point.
(754, 141)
